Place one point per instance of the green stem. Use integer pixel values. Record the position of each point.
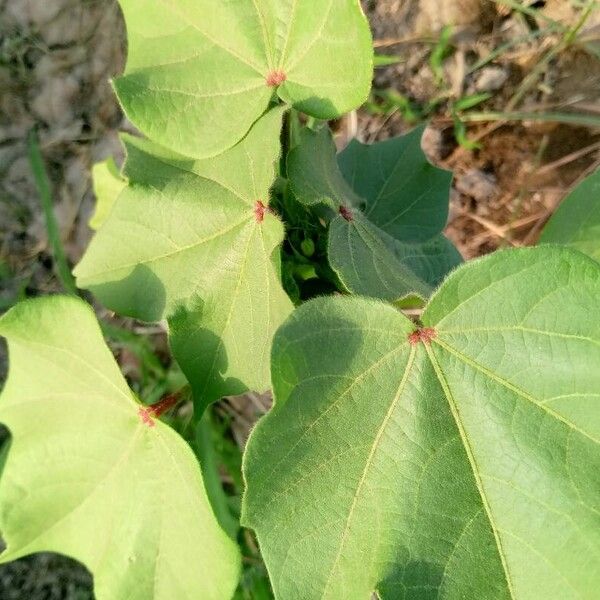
(42, 182)
(205, 451)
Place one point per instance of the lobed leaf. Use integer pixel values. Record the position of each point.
(194, 242)
(576, 223)
(388, 206)
(460, 460)
(216, 66)
(86, 476)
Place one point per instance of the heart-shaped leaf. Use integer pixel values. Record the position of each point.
(91, 475)
(388, 208)
(576, 223)
(194, 241)
(217, 65)
(460, 459)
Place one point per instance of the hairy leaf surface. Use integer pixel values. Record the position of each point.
(86, 476)
(388, 206)
(200, 73)
(462, 461)
(576, 223)
(194, 241)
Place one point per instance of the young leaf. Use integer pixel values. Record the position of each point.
(389, 208)
(460, 460)
(200, 73)
(194, 241)
(108, 184)
(576, 223)
(88, 477)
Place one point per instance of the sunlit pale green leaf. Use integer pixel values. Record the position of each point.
(194, 241)
(460, 459)
(576, 223)
(387, 207)
(200, 73)
(108, 184)
(86, 476)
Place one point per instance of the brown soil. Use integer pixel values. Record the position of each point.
(505, 190)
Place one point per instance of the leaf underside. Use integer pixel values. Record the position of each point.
(183, 242)
(209, 65)
(387, 207)
(87, 477)
(467, 466)
(576, 223)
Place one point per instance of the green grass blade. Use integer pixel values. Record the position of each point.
(42, 182)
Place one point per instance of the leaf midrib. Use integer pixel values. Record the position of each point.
(311, 44)
(409, 278)
(190, 492)
(465, 443)
(471, 458)
(234, 295)
(463, 435)
(229, 51)
(112, 470)
(272, 469)
(87, 364)
(513, 388)
(193, 95)
(168, 255)
(388, 178)
(533, 330)
(369, 461)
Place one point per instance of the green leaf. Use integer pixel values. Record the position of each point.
(387, 205)
(193, 241)
(200, 73)
(86, 476)
(461, 461)
(108, 184)
(576, 223)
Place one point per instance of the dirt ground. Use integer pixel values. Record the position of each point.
(505, 191)
(56, 59)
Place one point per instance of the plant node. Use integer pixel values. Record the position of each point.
(260, 210)
(276, 78)
(425, 335)
(149, 413)
(346, 213)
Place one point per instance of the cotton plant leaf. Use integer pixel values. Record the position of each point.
(387, 207)
(194, 242)
(88, 477)
(576, 223)
(200, 73)
(108, 184)
(459, 459)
